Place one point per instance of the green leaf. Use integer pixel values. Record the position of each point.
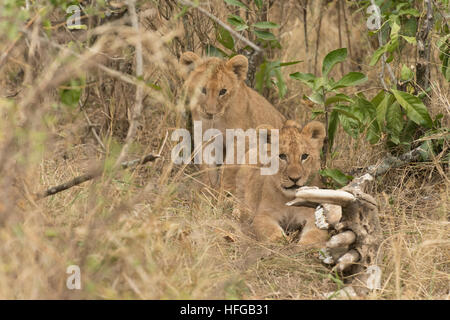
(411, 11)
(349, 124)
(236, 3)
(394, 122)
(212, 51)
(71, 94)
(332, 58)
(415, 109)
(426, 150)
(264, 35)
(395, 28)
(378, 98)
(281, 85)
(225, 38)
(306, 78)
(259, 3)
(346, 111)
(284, 64)
(350, 79)
(340, 97)
(411, 40)
(332, 127)
(338, 176)
(408, 132)
(373, 133)
(406, 74)
(316, 97)
(237, 22)
(260, 76)
(382, 108)
(266, 25)
(377, 55)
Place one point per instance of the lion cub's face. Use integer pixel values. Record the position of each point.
(299, 155)
(212, 82)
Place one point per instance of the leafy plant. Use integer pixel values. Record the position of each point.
(351, 112)
(268, 73)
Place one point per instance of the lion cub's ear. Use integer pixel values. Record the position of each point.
(239, 65)
(291, 123)
(315, 131)
(268, 129)
(188, 60)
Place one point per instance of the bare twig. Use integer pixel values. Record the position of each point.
(321, 13)
(93, 131)
(5, 54)
(338, 8)
(424, 48)
(222, 24)
(347, 31)
(305, 30)
(383, 59)
(137, 109)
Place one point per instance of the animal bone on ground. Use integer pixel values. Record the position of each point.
(351, 216)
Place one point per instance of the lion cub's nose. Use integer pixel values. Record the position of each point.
(294, 179)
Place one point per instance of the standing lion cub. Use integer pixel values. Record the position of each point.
(264, 197)
(217, 96)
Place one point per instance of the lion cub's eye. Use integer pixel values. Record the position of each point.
(222, 92)
(283, 157)
(305, 156)
(204, 90)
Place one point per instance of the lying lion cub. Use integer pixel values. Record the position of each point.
(265, 197)
(217, 96)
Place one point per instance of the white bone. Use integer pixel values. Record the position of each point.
(337, 197)
(347, 260)
(374, 280)
(342, 239)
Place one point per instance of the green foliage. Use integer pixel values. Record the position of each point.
(339, 179)
(444, 55)
(351, 113)
(269, 73)
(70, 93)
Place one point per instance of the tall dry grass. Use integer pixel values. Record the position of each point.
(156, 232)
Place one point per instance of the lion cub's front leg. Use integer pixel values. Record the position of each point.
(267, 228)
(312, 236)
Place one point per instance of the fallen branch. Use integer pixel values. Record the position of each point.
(96, 172)
(390, 162)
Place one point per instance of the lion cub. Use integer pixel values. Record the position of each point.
(265, 197)
(217, 96)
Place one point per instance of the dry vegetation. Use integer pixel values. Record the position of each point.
(155, 232)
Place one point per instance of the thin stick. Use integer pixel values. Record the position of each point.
(423, 49)
(224, 25)
(347, 31)
(5, 54)
(137, 109)
(338, 7)
(318, 35)
(93, 131)
(305, 31)
(383, 59)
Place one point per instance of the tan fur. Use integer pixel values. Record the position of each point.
(239, 107)
(265, 197)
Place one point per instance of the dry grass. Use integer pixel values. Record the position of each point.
(155, 233)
